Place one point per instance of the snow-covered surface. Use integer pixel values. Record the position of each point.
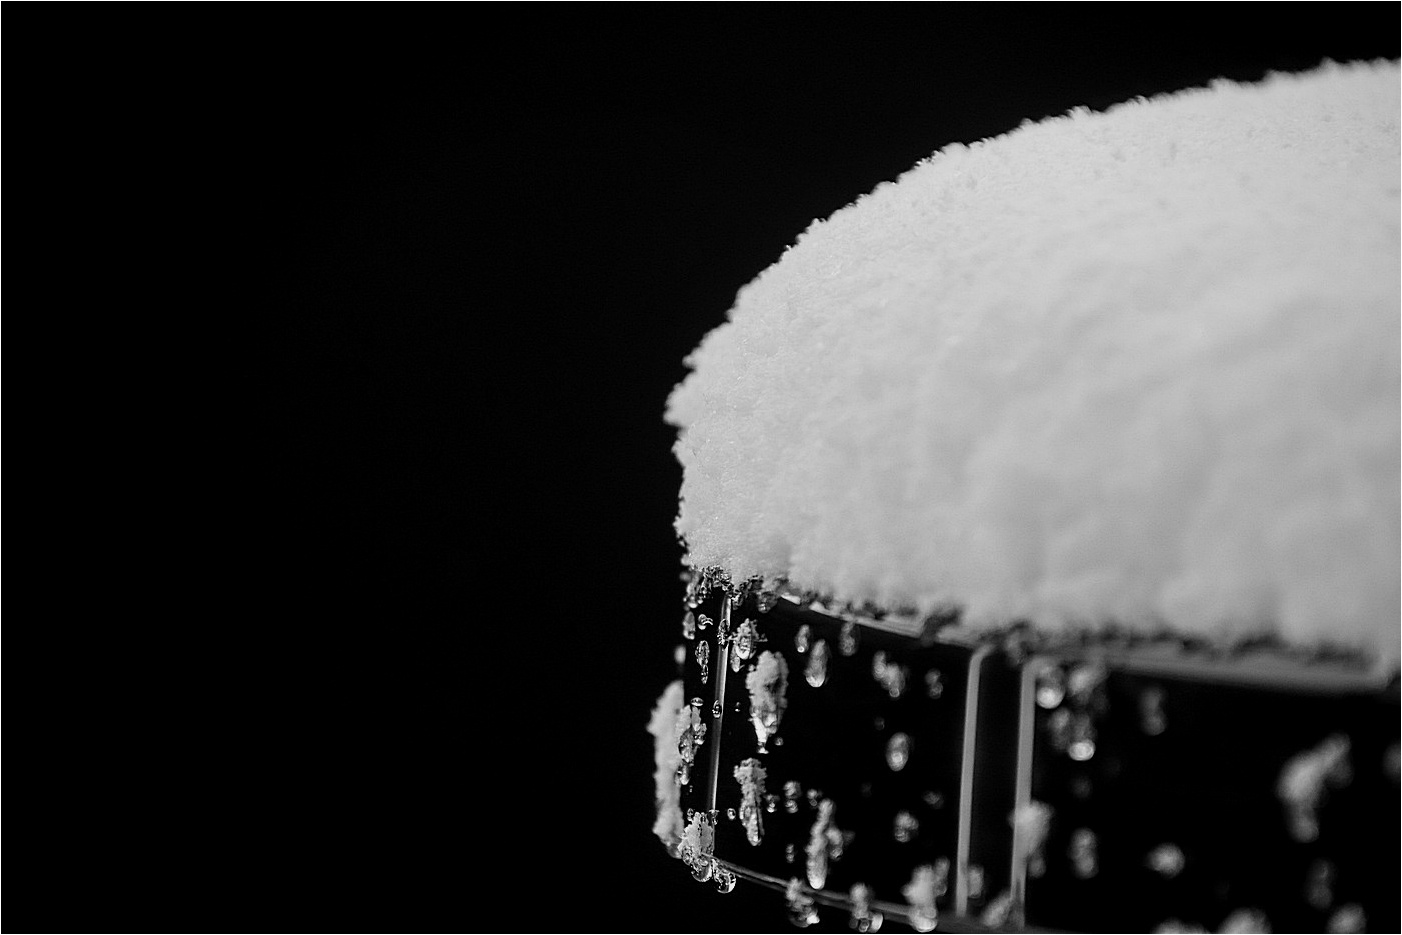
(1137, 366)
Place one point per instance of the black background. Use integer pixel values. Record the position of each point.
(458, 255)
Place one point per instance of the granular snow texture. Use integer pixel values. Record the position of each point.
(1138, 367)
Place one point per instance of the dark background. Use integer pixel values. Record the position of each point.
(463, 252)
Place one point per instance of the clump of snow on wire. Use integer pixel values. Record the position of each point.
(665, 727)
(1138, 366)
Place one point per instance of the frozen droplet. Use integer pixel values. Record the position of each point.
(934, 684)
(703, 870)
(816, 672)
(1319, 885)
(999, 912)
(753, 824)
(792, 792)
(817, 869)
(921, 893)
(1246, 920)
(736, 663)
(703, 659)
(898, 752)
(1082, 746)
(933, 799)
(813, 796)
(1031, 825)
(684, 773)
(1304, 782)
(801, 911)
(789, 853)
(864, 918)
(778, 741)
(717, 708)
(976, 882)
(702, 621)
(847, 639)
(771, 803)
(1085, 860)
(1083, 681)
(878, 664)
(689, 626)
(746, 638)
(1059, 730)
(1151, 715)
(1051, 686)
(725, 880)
(1348, 918)
(801, 638)
(906, 827)
(1166, 860)
(893, 678)
(1304, 827)
(751, 775)
(730, 813)
(940, 879)
(697, 702)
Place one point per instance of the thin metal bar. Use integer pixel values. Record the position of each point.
(1022, 795)
(966, 782)
(722, 670)
(898, 912)
(1263, 672)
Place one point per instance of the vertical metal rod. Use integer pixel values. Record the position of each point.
(966, 782)
(1022, 796)
(722, 670)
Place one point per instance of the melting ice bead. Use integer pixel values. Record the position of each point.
(746, 636)
(1051, 686)
(816, 672)
(1246, 920)
(1348, 918)
(801, 911)
(1152, 720)
(847, 639)
(1166, 860)
(1083, 854)
(898, 752)
(1082, 746)
(906, 827)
